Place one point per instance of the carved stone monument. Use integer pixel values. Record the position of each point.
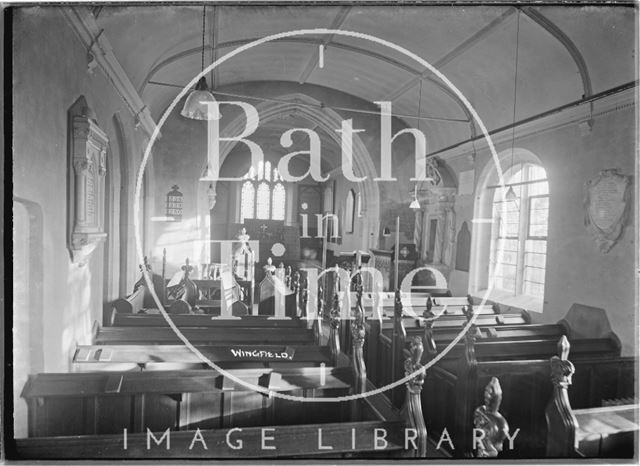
(88, 167)
(606, 200)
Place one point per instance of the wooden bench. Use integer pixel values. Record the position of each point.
(132, 304)
(106, 357)
(153, 318)
(204, 335)
(524, 371)
(112, 401)
(594, 432)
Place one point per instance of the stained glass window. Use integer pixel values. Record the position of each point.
(519, 233)
(264, 196)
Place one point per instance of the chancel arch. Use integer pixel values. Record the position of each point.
(325, 120)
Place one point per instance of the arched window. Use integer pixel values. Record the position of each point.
(519, 231)
(350, 211)
(263, 195)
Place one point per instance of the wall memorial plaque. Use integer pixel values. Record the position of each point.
(88, 167)
(606, 198)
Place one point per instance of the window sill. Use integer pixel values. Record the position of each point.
(529, 303)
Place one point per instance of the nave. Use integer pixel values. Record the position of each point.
(142, 393)
(217, 235)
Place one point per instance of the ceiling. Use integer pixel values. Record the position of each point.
(564, 53)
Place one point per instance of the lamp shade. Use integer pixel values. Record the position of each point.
(511, 194)
(195, 106)
(415, 205)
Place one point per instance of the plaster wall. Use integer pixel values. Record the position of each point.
(576, 271)
(50, 74)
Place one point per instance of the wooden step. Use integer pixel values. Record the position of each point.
(287, 441)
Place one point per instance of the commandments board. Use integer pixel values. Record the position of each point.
(606, 207)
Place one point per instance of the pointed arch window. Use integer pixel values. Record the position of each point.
(263, 194)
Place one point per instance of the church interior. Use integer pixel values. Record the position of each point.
(331, 231)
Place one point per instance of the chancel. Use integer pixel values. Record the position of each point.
(391, 231)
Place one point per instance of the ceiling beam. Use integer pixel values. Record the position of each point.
(302, 40)
(94, 40)
(321, 105)
(313, 60)
(456, 52)
(556, 32)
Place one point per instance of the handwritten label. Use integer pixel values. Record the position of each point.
(263, 354)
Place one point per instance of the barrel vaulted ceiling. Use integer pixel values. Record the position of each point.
(564, 54)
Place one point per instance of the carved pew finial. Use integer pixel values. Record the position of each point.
(304, 294)
(295, 284)
(269, 267)
(334, 332)
(429, 305)
(561, 422)
(487, 419)
(397, 344)
(164, 270)
(190, 289)
(412, 407)
(287, 277)
(429, 341)
(561, 368)
(357, 341)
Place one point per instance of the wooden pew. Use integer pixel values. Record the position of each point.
(450, 311)
(385, 349)
(112, 401)
(190, 301)
(132, 304)
(207, 400)
(455, 377)
(203, 335)
(524, 372)
(158, 282)
(153, 318)
(598, 432)
(137, 357)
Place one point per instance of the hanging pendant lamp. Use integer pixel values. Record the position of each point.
(510, 195)
(415, 204)
(195, 105)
